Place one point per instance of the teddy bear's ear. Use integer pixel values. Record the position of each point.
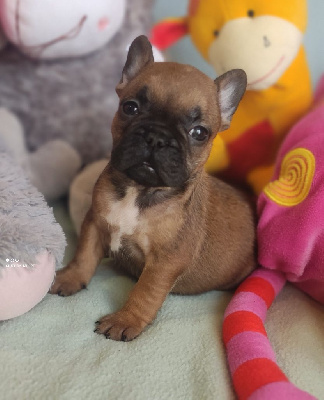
(139, 55)
(231, 87)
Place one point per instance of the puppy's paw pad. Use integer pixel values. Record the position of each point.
(120, 326)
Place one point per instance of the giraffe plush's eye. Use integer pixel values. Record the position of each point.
(251, 13)
(216, 33)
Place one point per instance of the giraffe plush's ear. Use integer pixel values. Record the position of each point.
(139, 55)
(231, 87)
(168, 32)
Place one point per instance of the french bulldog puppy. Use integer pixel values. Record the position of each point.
(154, 208)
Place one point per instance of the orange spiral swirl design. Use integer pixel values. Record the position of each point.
(295, 180)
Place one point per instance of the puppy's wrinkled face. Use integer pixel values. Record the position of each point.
(164, 125)
(169, 114)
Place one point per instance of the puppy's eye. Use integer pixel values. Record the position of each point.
(250, 13)
(199, 133)
(130, 108)
(216, 33)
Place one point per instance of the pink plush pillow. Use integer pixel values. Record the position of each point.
(291, 207)
(22, 288)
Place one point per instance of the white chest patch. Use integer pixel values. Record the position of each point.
(123, 218)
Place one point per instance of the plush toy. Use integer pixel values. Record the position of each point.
(80, 195)
(59, 64)
(47, 30)
(291, 248)
(58, 74)
(265, 39)
(51, 175)
(3, 39)
(32, 243)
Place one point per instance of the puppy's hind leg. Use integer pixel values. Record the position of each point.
(78, 273)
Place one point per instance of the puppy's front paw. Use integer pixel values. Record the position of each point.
(67, 282)
(120, 326)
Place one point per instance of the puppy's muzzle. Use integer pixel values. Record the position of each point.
(151, 155)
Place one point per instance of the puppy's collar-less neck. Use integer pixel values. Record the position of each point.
(147, 196)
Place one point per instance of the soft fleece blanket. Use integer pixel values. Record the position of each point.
(52, 353)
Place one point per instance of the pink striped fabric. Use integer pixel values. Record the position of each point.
(251, 359)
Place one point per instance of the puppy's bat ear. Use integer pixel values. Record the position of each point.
(139, 55)
(230, 89)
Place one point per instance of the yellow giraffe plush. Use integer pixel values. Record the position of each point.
(265, 39)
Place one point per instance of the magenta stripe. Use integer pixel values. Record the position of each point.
(247, 346)
(275, 278)
(280, 391)
(247, 301)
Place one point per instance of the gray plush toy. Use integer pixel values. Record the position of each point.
(60, 88)
(59, 66)
(27, 224)
(32, 243)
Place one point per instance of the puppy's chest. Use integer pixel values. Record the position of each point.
(126, 223)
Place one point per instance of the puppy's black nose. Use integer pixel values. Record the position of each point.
(157, 139)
